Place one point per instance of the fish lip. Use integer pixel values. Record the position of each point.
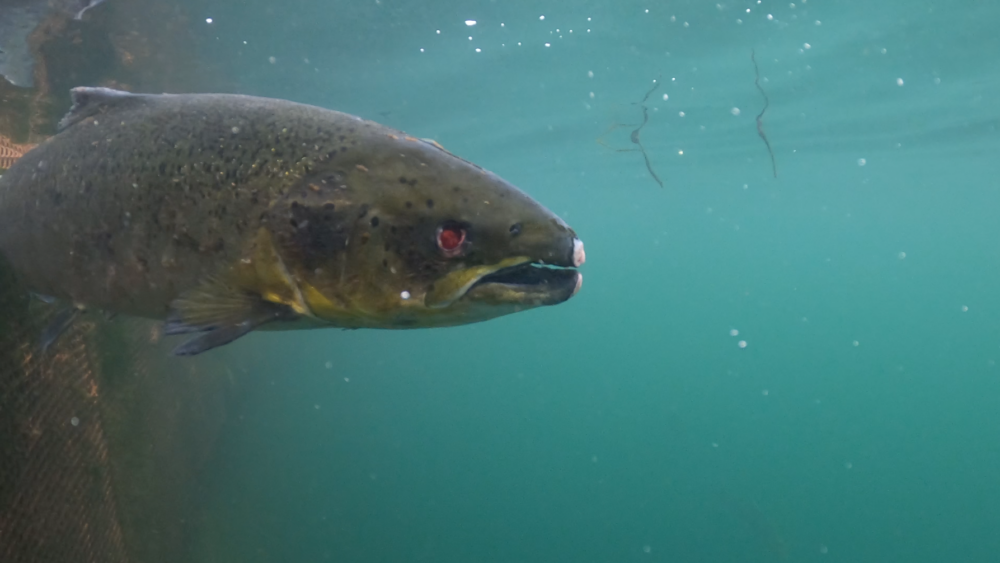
(535, 281)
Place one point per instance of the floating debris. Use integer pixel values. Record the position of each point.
(18, 20)
(760, 116)
(634, 137)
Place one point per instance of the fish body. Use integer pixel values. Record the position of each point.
(225, 213)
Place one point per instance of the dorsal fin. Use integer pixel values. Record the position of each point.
(91, 101)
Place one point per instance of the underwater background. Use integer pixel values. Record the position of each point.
(766, 363)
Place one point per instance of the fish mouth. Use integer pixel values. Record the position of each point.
(529, 283)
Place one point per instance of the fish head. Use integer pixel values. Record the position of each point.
(408, 235)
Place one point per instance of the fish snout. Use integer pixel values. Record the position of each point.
(579, 256)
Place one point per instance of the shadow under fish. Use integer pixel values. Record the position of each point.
(18, 20)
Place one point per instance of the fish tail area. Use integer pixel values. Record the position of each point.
(58, 325)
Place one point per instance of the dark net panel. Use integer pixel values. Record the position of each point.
(102, 439)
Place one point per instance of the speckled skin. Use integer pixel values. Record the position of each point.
(141, 198)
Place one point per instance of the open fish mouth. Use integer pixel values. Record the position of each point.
(530, 283)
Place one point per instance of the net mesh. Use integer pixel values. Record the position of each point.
(103, 438)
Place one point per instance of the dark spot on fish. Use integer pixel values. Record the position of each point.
(385, 263)
(456, 189)
(430, 204)
(343, 149)
(392, 229)
(363, 211)
(374, 221)
(329, 206)
(515, 229)
(364, 238)
(402, 179)
(409, 204)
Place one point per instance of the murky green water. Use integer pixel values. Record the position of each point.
(859, 422)
(757, 369)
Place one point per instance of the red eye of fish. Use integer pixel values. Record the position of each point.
(450, 239)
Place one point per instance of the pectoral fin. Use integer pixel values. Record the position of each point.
(58, 325)
(255, 291)
(223, 313)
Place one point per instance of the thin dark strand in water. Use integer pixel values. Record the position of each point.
(635, 133)
(760, 123)
(634, 136)
(635, 139)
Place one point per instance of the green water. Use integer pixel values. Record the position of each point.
(859, 424)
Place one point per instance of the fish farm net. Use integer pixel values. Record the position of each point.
(102, 438)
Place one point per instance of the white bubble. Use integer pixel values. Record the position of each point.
(543, 17)
(848, 465)
(819, 22)
(235, 130)
(902, 255)
(328, 365)
(470, 23)
(646, 549)
(770, 17)
(824, 550)
(742, 343)
(74, 421)
(548, 44)
(735, 111)
(666, 97)
(347, 380)
(862, 162)
(715, 444)
(855, 343)
(406, 294)
(439, 32)
(272, 60)
(478, 50)
(965, 309)
(590, 74)
(680, 113)
(806, 46)
(734, 332)
(591, 95)
(208, 20)
(899, 82)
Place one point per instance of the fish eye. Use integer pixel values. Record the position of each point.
(450, 238)
(515, 229)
